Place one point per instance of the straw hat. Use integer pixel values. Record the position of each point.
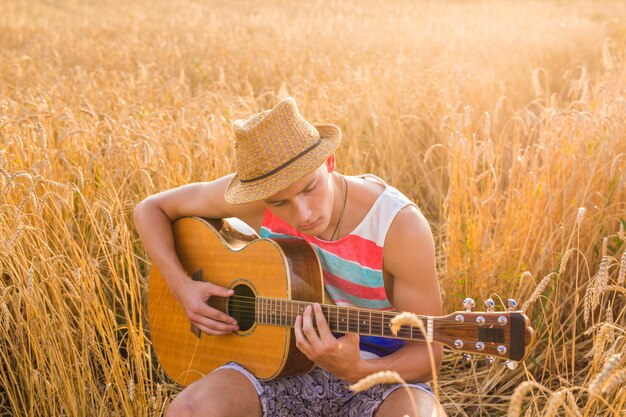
(275, 148)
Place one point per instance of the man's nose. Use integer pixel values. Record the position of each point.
(301, 210)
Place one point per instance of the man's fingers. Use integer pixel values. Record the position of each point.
(309, 329)
(215, 290)
(212, 331)
(352, 338)
(213, 323)
(301, 341)
(322, 324)
(203, 310)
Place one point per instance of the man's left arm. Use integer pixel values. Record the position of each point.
(409, 259)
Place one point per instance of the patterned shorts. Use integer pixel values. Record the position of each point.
(317, 393)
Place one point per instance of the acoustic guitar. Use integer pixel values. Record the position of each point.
(274, 280)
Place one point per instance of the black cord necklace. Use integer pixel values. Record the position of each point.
(344, 192)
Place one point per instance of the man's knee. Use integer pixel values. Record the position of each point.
(223, 393)
(399, 403)
(180, 407)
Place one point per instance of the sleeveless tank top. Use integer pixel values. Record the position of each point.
(352, 266)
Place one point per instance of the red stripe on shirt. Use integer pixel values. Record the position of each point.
(361, 291)
(352, 247)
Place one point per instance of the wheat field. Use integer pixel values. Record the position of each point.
(505, 121)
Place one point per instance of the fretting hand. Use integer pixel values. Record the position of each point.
(340, 356)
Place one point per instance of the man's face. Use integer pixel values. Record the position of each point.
(306, 204)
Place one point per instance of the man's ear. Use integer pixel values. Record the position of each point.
(330, 164)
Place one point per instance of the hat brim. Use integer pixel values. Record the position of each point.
(238, 192)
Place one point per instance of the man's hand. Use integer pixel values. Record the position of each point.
(193, 296)
(339, 356)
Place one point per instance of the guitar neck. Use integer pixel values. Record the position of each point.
(283, 312)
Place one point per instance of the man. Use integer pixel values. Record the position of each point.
(376, 251)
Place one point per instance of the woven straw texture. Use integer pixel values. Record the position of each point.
(275, 148)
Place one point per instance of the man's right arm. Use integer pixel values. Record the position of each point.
(153, 220)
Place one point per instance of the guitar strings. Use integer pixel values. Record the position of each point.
(249, 310)
(377, 327)
(251, 307)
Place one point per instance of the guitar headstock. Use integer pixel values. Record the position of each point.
(499, 334)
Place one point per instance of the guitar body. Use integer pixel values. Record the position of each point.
(212, 250)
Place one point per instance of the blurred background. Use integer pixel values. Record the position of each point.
(505, 121)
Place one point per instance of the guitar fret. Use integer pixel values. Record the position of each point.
(385, 323)
(353, 322)
(273, 314)
(361, 322)
(329, 317)
(339, 320)
(291, 314)
(370, 321)
(348, 322)
(261, 304)
(284, 312)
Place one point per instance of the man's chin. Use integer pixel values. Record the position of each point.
(316, 229)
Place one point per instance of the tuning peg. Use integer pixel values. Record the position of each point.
(469, 303)
(489, 305)
(466, 358)
(511, 304)
(489, 360)
(512, 365)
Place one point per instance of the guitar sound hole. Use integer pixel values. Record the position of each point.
(241, 306)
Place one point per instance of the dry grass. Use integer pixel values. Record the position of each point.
(501, 119)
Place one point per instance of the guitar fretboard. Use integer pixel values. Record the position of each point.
(282, 312)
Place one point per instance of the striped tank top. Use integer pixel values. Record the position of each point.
(352, 266)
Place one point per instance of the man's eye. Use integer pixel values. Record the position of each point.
(277, 204)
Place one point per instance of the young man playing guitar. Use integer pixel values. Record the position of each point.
(375, 248)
